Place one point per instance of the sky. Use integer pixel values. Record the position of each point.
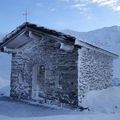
(78, 15)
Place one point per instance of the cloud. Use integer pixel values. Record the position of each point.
(38, 4)
(43, 6)
(80, 6)
(83, 5)
(83, 9)
(116, 8)
(113, 4)
(52, 9)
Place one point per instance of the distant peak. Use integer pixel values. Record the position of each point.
(113, 27)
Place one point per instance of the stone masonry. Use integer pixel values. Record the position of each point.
(60, 84)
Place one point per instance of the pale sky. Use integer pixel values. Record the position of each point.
(79, 15)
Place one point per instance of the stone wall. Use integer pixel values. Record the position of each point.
(94, 71)
(60, 83)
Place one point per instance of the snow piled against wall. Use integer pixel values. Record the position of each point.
(106, 101)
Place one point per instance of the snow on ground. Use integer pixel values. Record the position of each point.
(103, 105)
(15, 110)
(105, 101)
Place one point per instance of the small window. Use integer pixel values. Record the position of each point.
(42, 68)
(41, 75)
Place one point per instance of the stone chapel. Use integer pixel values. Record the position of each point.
(52, 67)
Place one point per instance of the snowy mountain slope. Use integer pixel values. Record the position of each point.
(5, 66)
(4, 72)
(107, 38)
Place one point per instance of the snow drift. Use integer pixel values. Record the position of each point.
(105, 101)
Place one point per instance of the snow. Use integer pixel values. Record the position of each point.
(103, 105)
(5, 66)
(15, 110)
(70, 117)
(104, 101)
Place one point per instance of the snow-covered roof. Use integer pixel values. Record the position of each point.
(27, 26)
(90, 46)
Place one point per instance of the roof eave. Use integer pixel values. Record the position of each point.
(27, 25)
(87, 45)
